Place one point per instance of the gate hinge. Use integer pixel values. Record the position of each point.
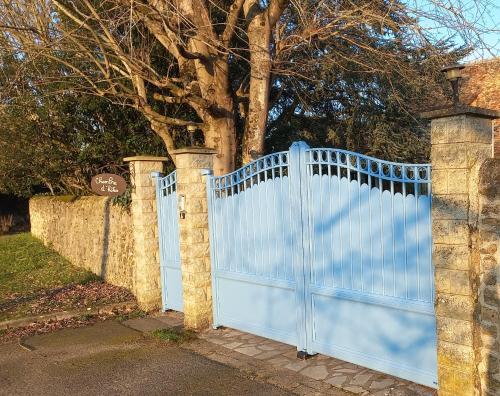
(156, 174)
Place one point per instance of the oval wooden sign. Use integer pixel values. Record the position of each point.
(108, 184)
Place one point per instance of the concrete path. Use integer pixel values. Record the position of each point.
(110, 359)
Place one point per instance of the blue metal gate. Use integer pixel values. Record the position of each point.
(168, 231)
(330, 251)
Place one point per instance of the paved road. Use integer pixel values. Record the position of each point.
(111, 359)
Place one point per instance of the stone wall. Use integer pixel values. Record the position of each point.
(488, 310)
(465, 219)
(193, 233)
(90, 232)
(145, 230)
(461, 143)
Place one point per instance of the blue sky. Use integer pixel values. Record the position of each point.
(483, 16)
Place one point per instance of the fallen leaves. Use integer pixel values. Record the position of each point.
(72, 297)
(19, 333)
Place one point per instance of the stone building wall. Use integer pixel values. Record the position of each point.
(481, 88)
(90, 232)
(488, 310)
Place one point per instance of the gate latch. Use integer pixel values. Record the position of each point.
(182, 206)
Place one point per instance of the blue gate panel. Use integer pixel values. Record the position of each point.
(251, 245)
(168, 231)
(392, 340)
(330, 251)
(370, 287)
(246, 303)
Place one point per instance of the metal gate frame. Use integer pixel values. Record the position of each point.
(301, 163)
(413, 197)
(168, 232)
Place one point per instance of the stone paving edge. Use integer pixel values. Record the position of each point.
(263, 371)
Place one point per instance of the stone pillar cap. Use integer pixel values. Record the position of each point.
(145, 158)
(460, 109)
(195, 150)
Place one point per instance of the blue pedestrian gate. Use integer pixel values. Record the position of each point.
(168, 231)
(330, 251)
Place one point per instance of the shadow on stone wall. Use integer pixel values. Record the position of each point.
(105, 238)
(489, 304)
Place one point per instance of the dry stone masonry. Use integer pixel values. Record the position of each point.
(194, 239)
(461, 144)
(488, 352)
(90, 232)
(145, 228)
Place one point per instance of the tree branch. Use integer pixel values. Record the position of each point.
(231, 21)
(275, 10)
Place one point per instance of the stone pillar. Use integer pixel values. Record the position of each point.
(145, 230)
(461, 139)
(193, 232)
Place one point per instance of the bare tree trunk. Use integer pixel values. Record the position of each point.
(259, 36)
(220, 129)
(221, 135)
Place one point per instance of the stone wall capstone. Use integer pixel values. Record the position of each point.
(90, 232)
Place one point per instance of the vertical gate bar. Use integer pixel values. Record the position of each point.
(157, 176)
(330, 208)
(276, 221)
(240, 212)
(369, 174)
(340, 242)
(283, 218)
(360, 225)
(251, 193)
(213, 246)
(307, 202)
(297, 180)
(233, 258)
(219, 221)
(348, 166)
(429, 230)
(405, 229)
(381, 186)
(416, 191)
(393, 236)
(248, 215)
(320, 175)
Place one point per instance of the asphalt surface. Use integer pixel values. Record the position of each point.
(110, 359)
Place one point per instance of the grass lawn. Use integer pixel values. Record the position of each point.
(28, 269)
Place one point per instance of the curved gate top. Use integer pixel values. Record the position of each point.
(328, 250)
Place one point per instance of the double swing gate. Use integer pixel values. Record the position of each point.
(330, 251)
(324, 249)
